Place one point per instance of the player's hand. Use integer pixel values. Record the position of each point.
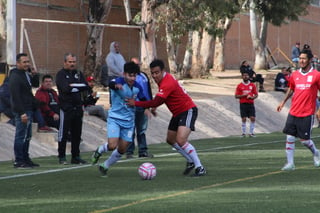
(318, 113)
(130, 101)
(55, 117)
(118, 86)
(148, 113)
(153, 111)
(279, 108)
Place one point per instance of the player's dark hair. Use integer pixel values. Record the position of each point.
(131, 67)
(308, 53)
(244, 72)
(46, 76)
(157, 63)
(20, 55)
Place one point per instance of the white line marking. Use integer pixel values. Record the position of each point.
(163, 155)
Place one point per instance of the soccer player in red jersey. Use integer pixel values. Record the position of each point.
(184, 114)
(246, 92)
(303, 87)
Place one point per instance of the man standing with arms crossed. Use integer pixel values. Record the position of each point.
(70, 82)
(303, 87)
(184, 115)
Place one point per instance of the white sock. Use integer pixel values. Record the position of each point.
(252, 124)
(114, 157)
(310, 145)
(191, 151)
(182, 152)
(103, 148)
(290, 147)
(243, 127)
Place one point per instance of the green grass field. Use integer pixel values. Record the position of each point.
(243, 176)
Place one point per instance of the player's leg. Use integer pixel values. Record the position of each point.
(291, 130)
(244, 115)
(182, 139)
(113, 130)
(171, 139)
(252, 117)
(121, 147)
(304, 133)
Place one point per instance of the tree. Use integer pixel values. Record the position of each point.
(275, 12)
(97, 12)
(218, 60)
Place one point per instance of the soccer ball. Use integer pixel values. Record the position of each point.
(147, 171)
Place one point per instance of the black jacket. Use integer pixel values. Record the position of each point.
(70, 96)
(21, 96)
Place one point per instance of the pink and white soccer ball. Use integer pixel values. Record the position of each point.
(147, 171)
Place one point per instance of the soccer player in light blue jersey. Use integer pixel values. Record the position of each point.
(120, 126)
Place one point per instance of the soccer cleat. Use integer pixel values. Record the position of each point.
(243, 135)
(95, 156)
(200, 171)
(145, 155)
(189, 167)
(78, 160)
(102, 169)
(252, 135)
(63, 161)
(316, 159)
(288, 167)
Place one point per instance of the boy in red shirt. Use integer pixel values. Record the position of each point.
(184, 115)
(246, 92)
(303, 87)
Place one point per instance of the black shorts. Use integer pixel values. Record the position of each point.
(247, 110)
(187, 118)
(300, 127)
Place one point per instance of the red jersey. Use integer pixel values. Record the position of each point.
(176, 98)
(305, 87)
(246, 88)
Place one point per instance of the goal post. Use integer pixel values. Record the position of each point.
(24, 35)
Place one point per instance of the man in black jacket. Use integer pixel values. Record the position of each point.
(23, 104)
(253, 77)
(91, 99)
(70, 83)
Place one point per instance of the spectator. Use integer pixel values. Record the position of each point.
(49, 102)
(104, 76)
(23, 104)
(253, 77)
(295, 52)
(91, 100)
(281, 81)
(141, 117)
(115, 61)
(246, 92)
(70, 82)
(5, 106)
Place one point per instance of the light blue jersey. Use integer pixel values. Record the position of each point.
(120, 114)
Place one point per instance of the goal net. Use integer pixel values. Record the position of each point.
(46, 41)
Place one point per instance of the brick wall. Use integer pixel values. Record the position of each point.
(50, 41)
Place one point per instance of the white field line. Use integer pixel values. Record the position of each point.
(163, 155)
